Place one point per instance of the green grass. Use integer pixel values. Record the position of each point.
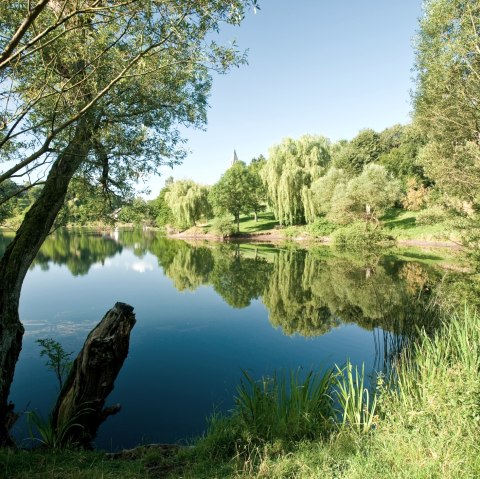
(285, 407)
(397, 223)
(67, 465)
(425, 424)
(403, 225)
(266, 222)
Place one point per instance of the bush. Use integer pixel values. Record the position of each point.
(320, 227)
(360, 236)
(222, 226)
(291, 232)
(416, 195)
(431, 216)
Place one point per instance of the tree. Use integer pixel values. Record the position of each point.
(401, 147)
(136, 211)
(446, 98)
(160, 209)
(259, 191)
(365, 196)
(188, 202)
(235, 192)
(8, 191)
(290, 169)
(323, 189)
(365, 148)
(101, 95)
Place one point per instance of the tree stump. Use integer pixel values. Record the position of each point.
(79, 410)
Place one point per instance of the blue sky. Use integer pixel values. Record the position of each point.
(315, 67)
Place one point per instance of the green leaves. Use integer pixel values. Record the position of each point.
(188, 202)
(139, 69)
(58, 360)
(292, 166)
(236, 192)
(446, 98)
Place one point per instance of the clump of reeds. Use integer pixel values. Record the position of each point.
(285, 406)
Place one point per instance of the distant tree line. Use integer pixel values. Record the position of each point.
(309, 178)
(432, 163)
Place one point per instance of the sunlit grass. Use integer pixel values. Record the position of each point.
(423, 423)
(266, 221)
(403, 224)
(285, 406)
(357, 404)
(426, 418)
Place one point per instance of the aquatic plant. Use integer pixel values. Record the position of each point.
(286, 407)
(50, 435)
(356, 404)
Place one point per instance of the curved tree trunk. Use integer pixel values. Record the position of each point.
(21, 252)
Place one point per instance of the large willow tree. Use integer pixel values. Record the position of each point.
(96, 88)
(188, 202)
(290, 169)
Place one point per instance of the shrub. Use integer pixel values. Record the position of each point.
(222, 226)
(360, 236)
(416, 195)
(431, 216)
(290, 232)
(321, 227)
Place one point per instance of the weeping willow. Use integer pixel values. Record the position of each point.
(188, 202)
(289, 171)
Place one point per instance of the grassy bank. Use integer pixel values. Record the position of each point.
(396, 224)
(425, 425)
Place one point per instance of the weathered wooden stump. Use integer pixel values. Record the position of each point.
(79, 410)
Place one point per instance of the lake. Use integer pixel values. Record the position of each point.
(205, 312)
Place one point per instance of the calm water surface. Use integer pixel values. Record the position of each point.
(204, 313)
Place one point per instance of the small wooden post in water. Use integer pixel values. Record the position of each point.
(79, 410)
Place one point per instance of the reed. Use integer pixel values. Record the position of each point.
(286, 406)
(356, 404)
(53, 436)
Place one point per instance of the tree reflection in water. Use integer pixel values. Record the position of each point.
(306, 292)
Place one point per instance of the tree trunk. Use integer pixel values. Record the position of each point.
(237, 220)
(20, 253)
(256, 216)
(92, 377)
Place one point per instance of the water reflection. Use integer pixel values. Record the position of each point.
(305, 292)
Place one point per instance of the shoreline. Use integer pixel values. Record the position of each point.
(276, 237)
(269, 236)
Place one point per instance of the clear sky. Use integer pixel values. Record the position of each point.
(328, 67)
